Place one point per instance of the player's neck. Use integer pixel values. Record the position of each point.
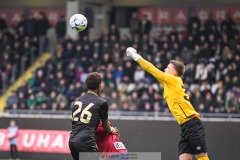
(92, 92)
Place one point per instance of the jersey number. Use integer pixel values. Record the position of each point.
(185, 97)
(88, 114)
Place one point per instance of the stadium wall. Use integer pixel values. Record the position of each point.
(223, 138)
(117, 3)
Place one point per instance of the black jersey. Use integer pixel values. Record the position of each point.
(87, 111)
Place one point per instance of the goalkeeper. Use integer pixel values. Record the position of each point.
(192, 140)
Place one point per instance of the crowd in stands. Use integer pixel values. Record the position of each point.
(20, 46)
(210, 51)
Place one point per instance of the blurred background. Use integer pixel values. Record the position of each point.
(44, 63)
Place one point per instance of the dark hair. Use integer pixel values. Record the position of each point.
(178, 66)
(93, 80)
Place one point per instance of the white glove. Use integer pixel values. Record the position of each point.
(131, 52)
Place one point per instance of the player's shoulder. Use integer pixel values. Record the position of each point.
(171, 78)
(93, 98)
(170, 75)
(101, 101)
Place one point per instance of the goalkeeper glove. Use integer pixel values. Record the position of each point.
(131, 52)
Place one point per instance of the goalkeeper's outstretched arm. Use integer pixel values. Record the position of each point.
(147, 66)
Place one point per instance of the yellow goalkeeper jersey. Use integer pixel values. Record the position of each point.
(174, 93)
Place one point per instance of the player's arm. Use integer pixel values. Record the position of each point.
(104, 119)
(147, 66)
(100, 129)
(108, 128)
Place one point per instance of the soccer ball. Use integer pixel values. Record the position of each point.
(78, 22)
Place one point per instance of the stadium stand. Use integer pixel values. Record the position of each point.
(210, 51)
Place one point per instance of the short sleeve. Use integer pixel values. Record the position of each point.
(104, 111)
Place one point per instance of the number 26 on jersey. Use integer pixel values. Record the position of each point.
(85, 115)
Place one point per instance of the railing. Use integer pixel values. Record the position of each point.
(121, 115)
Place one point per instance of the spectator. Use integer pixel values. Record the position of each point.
(234, 109)
(114, 31)
(209, 23)
(61, 29)
(68, 51)
(201, 71)
(186, 55)
(194, 25)
(39, 77)
(26, 26)
(202, 108)
(147, 107)
(61, 100)
(41, 26)
(3, 24)
(190, 72)
(227, 25)
(26, 54)
(129, 70)
(13, 139)
(139, 74)
(209, 102)
(145, 25)
(113, 106)
(31, 102)
(134, 24)
(40, 98)
(118, 74)
(125, 106)
(12, 99)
